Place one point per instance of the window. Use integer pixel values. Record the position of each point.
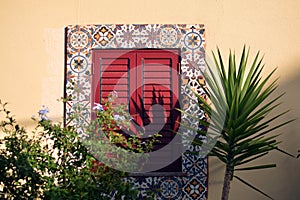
(147, 82)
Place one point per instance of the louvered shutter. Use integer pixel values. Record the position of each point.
(159, 86)
(158, 70)
(111, 71)
(142, 79)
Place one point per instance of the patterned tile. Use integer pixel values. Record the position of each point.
(170, 188)
(79, 64)
(195, 189)
(80, 109)
(103, 36)
(78, 88)
(169, 36)
(127, 37)
(80, 39)
(194, 165)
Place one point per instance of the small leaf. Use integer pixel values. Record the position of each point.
(257, 167)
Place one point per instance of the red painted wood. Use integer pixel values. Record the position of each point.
(157, 68)
(115, 68)
(114, 61)
(110, 80)
(147, 76)
(158, 59)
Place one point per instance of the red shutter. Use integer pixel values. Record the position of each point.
(159, 77)
(160, 86)
(142, 78)
(111, 72)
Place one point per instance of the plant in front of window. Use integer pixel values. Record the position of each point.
(241, 102)
(77, 171)
(112, 125)
(54, 164)
(73, 171)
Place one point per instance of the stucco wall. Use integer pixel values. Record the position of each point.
(32, 60)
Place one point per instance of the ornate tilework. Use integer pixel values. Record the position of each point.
(80, 39)
(103, 35)
(79, 64)
(170, 188)
(195, 189)
(169, 36)
(192, 40)
(194, 164)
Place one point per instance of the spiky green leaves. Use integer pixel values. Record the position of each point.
(241, 96)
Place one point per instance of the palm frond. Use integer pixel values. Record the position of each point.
(240, 109)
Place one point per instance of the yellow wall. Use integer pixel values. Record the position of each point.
(32, 60)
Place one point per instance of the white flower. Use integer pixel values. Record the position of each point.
(118, 117)
(98, 107)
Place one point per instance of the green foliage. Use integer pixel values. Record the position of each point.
(75, 174)
(243, 99)
(108, 128)
(19, 179)
(55, 164)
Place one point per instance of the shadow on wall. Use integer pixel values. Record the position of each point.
(288, 178)
(283, 181)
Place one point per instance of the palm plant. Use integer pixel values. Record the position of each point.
(241, 102)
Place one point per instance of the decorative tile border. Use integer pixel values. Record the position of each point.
(81, 39)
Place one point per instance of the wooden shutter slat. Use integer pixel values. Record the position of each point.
(115, 87)
(154, 75)
(114, 74)
(109, 80)
(160, 81)
(115, 68)
(160, 61)
(167, 109)
(157, 68)
(121, 94)
(115, 61)
(165, 94)
(150, 100)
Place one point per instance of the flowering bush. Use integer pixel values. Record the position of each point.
(112, 125)
(20, 177)
(54, 163)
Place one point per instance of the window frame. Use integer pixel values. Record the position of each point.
(136, 58)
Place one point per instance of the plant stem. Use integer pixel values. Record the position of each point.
(226, 183)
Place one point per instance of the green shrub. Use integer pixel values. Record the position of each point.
(53, 163)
